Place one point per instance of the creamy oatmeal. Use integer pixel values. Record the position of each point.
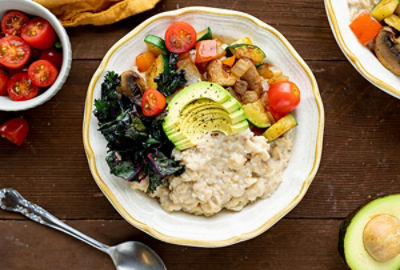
(224, 172)
(358, 6)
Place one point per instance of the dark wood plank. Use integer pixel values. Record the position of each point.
(291, 244)
(360, 156)
(303, 23)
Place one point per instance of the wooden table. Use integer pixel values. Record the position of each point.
(361, 158)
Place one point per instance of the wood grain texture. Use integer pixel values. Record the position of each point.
(360, 160)
(26, 245)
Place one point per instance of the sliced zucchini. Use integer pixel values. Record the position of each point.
(384, 9)
(205, 34)
(256, 114)
(281, 127)
(245, 40)
(393, 21)
(247, 50)
(155, 44)
(159, 66)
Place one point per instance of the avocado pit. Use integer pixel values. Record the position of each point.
(381, 237)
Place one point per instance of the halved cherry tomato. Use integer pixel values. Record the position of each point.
(13, 21)
(365, 27)
(3, 82)
(14, 52)
(180, 37)
(53, 56)
(42, 73)
(283, 97)
(145, 60)
(275, 114)
(15, 130)
(39, 33)
(153, 102)
(20, 87)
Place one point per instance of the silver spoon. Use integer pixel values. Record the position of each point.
(130, 255)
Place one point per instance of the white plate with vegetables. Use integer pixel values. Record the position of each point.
(216, 129)
(366, 32)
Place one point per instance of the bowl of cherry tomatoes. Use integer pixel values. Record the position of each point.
(35, 55)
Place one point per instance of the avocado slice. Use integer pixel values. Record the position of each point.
(201, 108)
(360, 248)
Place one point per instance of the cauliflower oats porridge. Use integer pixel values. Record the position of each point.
(224, 172)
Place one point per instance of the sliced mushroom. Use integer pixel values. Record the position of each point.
(240, 87)
(216, 73)
(131, 83)
(387, 49)
(252, 77)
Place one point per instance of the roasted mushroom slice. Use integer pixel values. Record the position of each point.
(216, 73)
(252, 77)
(387, 49)
(132, 83)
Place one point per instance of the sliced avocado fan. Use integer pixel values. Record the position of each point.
(201, 108)
(369, 238)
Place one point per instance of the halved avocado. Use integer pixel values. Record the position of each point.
(369, 238)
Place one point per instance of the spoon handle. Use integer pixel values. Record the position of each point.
(11, 200)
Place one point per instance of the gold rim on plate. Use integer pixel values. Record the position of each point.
(112, 198)
(352, 57)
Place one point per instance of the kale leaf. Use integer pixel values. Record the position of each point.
(137, 144)
(169, 82)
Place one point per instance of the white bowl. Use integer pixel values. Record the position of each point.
(364, 61)
(225, 228)
(32, 8)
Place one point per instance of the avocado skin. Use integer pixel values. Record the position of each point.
(346, 223)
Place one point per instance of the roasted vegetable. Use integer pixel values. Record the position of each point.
(192, 74)
(252, 77)
(159, 66)
(155, 44)
(241, 67)
(256, 114)
(249, 97)
(281, 127)
(384, 9)
(216, 73)
(171, 79)
(205, 34)
(135, 142)
(247, 50)
(365, 28)
(244, 40)
(393, 21)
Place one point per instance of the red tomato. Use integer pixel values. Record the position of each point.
(275, 114)
(14, 52)
(53, 56)
(283, 97)
(13, 21)
(20, 87)
(153, 102)
(39, 33)
(42, 73)
(3, 82)
(180, 37)
(206, 50)
(15, 130)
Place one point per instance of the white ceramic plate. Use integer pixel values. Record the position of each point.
(359, 56)
(225, 228)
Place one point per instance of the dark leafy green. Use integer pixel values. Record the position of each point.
(137, 144)
(169, 82)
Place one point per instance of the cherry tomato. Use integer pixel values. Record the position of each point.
(13, 21)
(15, 130)
(14, 52)
(20, 87)
(3, 82)
(153, 102)
(53, 56)
(39, 33)
(283, 97)
(180, 37)
(42, 73)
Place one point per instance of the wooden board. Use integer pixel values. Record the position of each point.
(360, 160)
